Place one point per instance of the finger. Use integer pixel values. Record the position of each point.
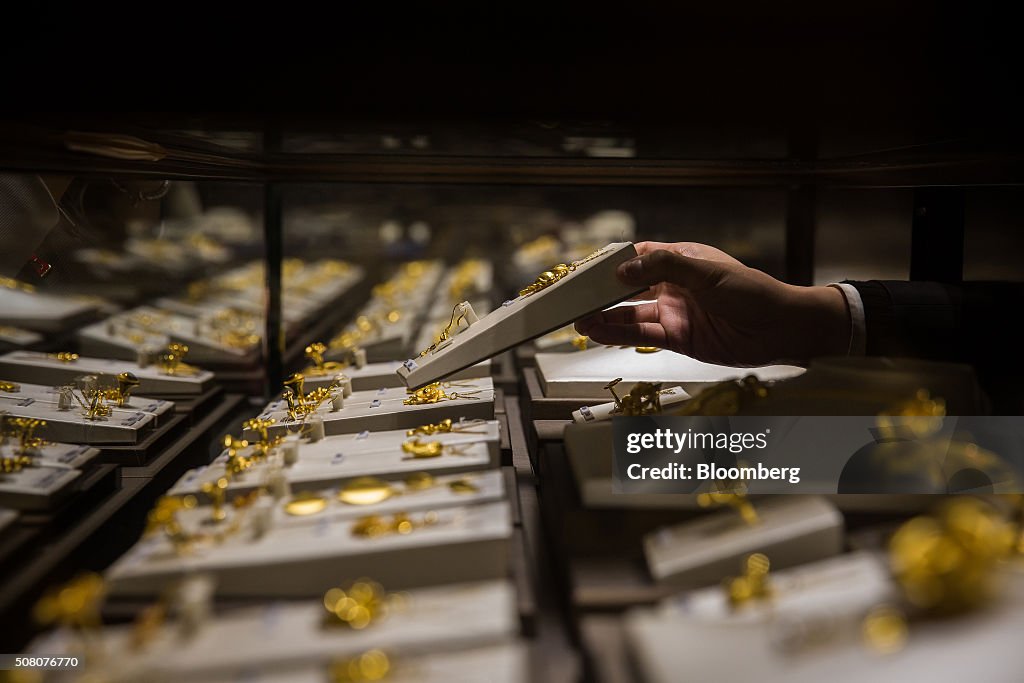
(628, 315)
(584, 325)
(639, 334)
(660, 266)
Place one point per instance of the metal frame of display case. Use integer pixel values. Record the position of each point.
(937, 175)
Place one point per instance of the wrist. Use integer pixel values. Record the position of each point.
(823, 325)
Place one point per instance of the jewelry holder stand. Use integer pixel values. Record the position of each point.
(560, 296)
(461, 544)
(585, 374)
(48, 369)
(791, 529)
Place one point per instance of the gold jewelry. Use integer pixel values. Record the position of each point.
(63, 356)
(361, 604)
(126, 382)
(217, 491)
(315, 352)
(417, 449)
(647, 349)
(372, 665)
(434, 393)
(23, 429)
(11, 283)
(446, 333)
(372, 526)
(643, 399)
(9, 387)
(580, 342)
(550, 277)
(173, 360)
(366, 491)
(237, 462)
(735, 498)
(305, 503)
(753, 584)
(446, 426)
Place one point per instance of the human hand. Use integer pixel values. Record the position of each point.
(707, 305)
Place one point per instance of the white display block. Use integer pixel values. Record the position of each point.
(135, 404)
(121, 336)
(495, 664)
(385, 409)
(36, 487)
(465, 544)
(792, 530)
(40, 368)
(383, 375)
(328, 463)
(65, 455)
(15, 336)
(585, 374)
(487, 487)
(43, 312)
(814, 641)
(670, 397)
(122, 426)
(7, 518)
(589, 288)
(279, 638)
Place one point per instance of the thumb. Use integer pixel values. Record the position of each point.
(694, 274)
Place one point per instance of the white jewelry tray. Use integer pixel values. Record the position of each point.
(586, 373)
(589, 288)
(385, 409)
(40, 368)
(465, 544)
(277, 638)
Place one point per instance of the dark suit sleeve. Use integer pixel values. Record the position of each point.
(970, 322)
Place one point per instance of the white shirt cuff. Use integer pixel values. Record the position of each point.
(858, 325)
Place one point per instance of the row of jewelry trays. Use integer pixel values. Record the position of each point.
(34, 473)
(386, 326)
(221, 320)
(290, 511)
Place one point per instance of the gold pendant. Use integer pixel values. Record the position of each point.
(304, 504)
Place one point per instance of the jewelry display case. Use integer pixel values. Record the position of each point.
(307, 397)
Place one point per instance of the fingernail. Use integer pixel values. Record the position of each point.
(630, 270)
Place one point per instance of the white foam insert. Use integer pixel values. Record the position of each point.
(41, 312)
(591, 287)
(385, 409)
(337, 459)
(982, 645)
(36, 487)
(670, 397)
(585, 374)
(792, 530)
(278, 638)
(466, 544)
(38, 368)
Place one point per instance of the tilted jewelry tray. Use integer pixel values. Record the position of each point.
(338, 459)
(275, 639)
(464, 544)
(41, 368)
(586, 373)
(385, 409)
(589, 287)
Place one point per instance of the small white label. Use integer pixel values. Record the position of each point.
(362, 435)
(376, 403)
(410, 365)
(587, 415)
